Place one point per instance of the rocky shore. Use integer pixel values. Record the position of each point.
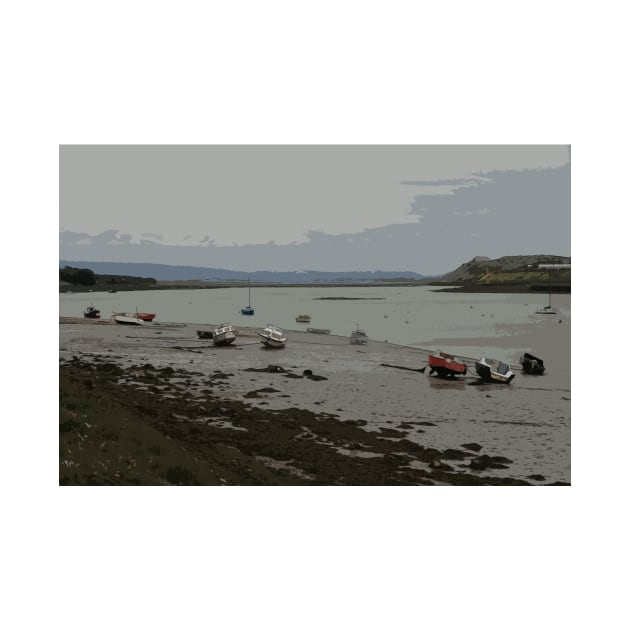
(155, 405)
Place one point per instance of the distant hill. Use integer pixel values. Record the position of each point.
(210, 274)
(482, 273)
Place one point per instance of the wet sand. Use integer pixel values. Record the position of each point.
(255, 415)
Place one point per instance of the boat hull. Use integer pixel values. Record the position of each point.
(128, 320)
(145, 317)
(224, 339)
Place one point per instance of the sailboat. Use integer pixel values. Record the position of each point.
(548, 310)
(248, 310)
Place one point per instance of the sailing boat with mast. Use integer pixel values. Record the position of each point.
(248, 310)
(548, 310)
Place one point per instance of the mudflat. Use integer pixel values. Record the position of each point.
(157, 405)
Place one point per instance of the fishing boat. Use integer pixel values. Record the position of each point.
(223, 334)
(303, 318)
(91, 312)
(445, 365)
(492, 370)
(358, 336)
(272, 337)
(248, 310)
(319, 331)
(127, 318)
(532, 364)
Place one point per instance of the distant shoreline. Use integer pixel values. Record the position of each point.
(448, 288)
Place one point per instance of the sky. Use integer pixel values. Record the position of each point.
(423, 208)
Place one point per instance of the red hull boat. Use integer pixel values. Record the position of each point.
(145, 317)
(445, 365)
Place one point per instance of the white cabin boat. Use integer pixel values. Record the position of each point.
(272, 337)
(223, 334)
(358, 336)
(494, 370)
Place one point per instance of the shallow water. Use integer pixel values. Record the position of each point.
(413, 316)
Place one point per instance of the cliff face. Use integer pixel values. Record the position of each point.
(508, 270)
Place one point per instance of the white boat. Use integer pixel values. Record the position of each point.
(272, 337)
(223, 334)
(303, 318)
(127, 318)
(358, 336)
(494, 370)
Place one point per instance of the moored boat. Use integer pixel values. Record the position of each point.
(532, 364)
(272, 337)
(493, 370)
(319, 331)
(303, 318)
(248, 310)
(445, 365)
(127, 318)
(91, 312)
(223, 334)
(204, 334)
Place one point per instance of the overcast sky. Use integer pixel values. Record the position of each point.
(254, 195)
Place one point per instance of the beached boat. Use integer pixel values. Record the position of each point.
(145, 317)
(494, 370)
(445, 365)
(358, 336)
(303, 318)
(223, 334)
(204, 334)
(319, 331)
(127, 318)
(248, 310)
(532, 364)
(272, 337)
(91, 312)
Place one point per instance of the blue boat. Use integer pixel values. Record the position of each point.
(248, 310)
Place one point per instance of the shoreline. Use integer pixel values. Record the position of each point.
(351, 421)
(447, 288)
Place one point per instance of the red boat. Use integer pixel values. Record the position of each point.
(145, 317)
(445, 365)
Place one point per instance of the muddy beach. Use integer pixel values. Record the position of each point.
(155, 405)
